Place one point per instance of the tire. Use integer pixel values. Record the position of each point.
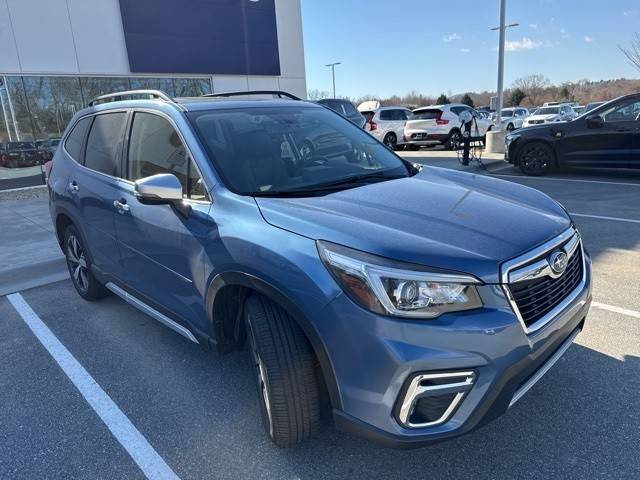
(79, 265)
(510, 127)
(535, 158)
(454, 140)
(413, 148)
(391, 141)
(285, 372)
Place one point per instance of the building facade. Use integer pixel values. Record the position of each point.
(55, 55)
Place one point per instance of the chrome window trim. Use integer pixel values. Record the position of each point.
(547, 247)
(415, 392)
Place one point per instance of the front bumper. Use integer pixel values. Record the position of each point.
(374, 356)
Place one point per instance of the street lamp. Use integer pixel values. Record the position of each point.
(333, 75)
(501, 42)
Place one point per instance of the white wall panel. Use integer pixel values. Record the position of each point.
(99, 37)
(290, 41)
(229, 83)
(43, 35)
(263, 83)
(296, 86)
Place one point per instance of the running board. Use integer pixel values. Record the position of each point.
(152, 312)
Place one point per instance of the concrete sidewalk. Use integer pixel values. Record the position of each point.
(29, 255)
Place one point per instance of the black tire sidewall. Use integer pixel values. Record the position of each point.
(95, 289)
(534, 170)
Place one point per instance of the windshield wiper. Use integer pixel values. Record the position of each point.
(354, 180)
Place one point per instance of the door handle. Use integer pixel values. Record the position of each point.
(121, 206)
(73, 187)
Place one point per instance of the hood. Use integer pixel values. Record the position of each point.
(440, 218)
(547, 118)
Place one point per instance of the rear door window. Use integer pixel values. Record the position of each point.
(387, 115)
(104, 143)
(73, 143)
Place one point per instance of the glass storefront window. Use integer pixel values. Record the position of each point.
(35, 110)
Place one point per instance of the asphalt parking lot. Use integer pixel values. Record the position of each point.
(198, 413)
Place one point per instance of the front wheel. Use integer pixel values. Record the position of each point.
(510, 127)
(535, 158)
(285, 372)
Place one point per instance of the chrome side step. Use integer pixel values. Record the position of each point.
(544, 369)
(152, 312)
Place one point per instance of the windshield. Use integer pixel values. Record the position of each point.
(507, 113)
(264, 150)
(547, 111)
(426, 114)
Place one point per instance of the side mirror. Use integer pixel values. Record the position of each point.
(162, 188)
(595, 121)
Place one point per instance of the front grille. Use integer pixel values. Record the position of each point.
(536, 122)
(536, 298)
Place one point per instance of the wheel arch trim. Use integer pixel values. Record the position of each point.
(243, 279)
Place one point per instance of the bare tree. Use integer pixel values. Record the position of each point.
(632, 52)
(317, 94)
(533, 86)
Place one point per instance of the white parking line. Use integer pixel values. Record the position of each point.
(151, 464)
(612, 308)
(629, 184)
(602, 217)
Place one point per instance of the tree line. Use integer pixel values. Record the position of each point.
(529, 91)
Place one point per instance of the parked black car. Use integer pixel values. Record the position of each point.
(606, 137)
(20, 154)
(344, 108)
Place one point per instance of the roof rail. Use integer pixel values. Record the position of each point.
(275, 93)
(119, 96)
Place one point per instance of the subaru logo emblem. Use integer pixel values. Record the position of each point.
(558, 262)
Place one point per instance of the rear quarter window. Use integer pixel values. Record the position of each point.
(104, 143)
(73, 143)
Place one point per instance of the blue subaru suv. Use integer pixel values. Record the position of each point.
(414, 303)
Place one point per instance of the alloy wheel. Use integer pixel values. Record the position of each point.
(77, 263)
(535, 159)
(391, 141)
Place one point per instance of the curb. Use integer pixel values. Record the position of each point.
(31, 276)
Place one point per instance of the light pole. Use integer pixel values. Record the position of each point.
(333, 75)
(501, 42)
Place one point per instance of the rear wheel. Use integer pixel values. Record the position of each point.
(79, 265)
(285, 372)
(391, 141)
(535, 158)
(510, 127)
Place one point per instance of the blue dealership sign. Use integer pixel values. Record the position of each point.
(201, 36)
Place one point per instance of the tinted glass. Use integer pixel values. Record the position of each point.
(387, 115)
(283, 148)
(626, 112)
(426, 114)
(155, 147)
(349, 109)
(104, 143)
(73, 143)
(547, 111)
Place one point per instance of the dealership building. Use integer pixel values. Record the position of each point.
(56, 55)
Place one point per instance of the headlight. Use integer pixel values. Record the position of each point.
(391, 288)
(509, 139)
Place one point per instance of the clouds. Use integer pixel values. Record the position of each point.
(588, 39)
(524, 44)
(465, 50)
(451, 37)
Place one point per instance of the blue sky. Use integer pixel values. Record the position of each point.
(434, 46)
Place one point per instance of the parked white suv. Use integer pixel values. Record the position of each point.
(513, 118)
(441, 124)
(385, 123)
(556, 113)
